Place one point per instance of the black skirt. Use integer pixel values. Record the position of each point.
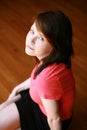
(31, 117)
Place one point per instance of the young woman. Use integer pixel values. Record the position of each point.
(45, 100)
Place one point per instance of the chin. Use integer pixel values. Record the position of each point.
(29, 53)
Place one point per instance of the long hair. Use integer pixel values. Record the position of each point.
(57, 29)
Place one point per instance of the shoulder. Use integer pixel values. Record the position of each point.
(53, 70)
(56, 75)
(52, 75)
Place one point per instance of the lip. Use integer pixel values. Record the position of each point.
(29, 47)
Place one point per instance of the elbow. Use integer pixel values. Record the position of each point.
(55, 122)
(56, 118)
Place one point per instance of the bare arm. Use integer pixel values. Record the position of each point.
(53, 116)
(14, 96)
(22, 86)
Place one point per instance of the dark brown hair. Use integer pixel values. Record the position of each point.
(57, 28)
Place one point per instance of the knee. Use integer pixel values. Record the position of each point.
(9, 118)
(4, 123)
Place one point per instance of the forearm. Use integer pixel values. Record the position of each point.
(21, 87)
(25, 84)
(8, 102)
(55, 124)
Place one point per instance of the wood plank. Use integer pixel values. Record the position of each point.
(16, 66)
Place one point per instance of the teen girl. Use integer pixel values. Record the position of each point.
(45, 100)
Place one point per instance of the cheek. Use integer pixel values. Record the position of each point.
(28, 39)
(47, 48)
(43, 49)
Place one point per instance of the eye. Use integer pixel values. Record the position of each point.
(31, 31)
(41, 38)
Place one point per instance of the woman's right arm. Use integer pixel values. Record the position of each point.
(22, 86)
(14, 96)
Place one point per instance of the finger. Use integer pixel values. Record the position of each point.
(15, 98)
(14, 93)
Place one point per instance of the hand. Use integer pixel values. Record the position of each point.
(14, 93)
(13, 99)
(22, 86)
(9, 101)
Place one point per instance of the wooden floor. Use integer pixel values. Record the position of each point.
(16, 66)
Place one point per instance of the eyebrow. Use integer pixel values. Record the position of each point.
(40, 33)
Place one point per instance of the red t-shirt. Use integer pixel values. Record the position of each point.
(55, 82)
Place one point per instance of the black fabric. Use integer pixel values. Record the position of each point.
(25, 108)
(31, 117)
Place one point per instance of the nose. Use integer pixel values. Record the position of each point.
(29, 41)
(32, 39)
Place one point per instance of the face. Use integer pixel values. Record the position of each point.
(36, 44)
